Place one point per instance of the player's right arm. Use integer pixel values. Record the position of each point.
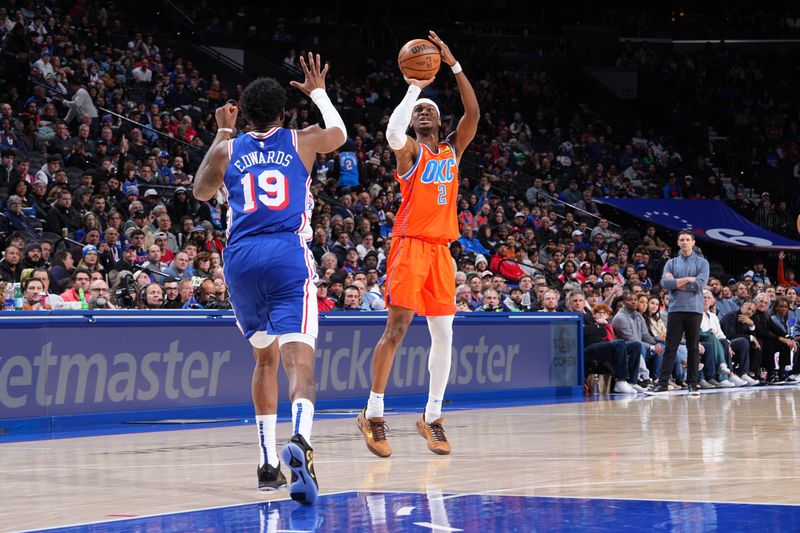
(315, 139)
(211, 173)
(404, 147)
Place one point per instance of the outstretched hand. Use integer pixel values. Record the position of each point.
(444, 50)
(418, 83)
(315, 75)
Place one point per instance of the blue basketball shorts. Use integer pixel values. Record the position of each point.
(271, 283)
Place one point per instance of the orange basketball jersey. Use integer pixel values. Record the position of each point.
(429, 190)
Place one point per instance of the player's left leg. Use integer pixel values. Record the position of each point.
(430, 425)
(438, 295)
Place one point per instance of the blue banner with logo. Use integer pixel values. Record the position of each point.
(712, 220)
(64, 363)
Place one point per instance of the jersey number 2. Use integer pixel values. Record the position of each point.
(442, 198)
(273, 185)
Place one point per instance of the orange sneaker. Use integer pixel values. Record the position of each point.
(374, 431)
(434, 434)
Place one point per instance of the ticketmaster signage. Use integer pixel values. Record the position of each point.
(64, 363)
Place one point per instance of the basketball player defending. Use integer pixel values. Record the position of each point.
(268, 267)
(420, 276)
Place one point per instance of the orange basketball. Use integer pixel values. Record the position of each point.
(419, 59)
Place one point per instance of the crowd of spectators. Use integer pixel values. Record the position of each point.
(97, 208)
(749, 99)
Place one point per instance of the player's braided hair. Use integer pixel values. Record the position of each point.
(263, 101)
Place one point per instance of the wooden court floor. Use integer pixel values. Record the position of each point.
(734, 446)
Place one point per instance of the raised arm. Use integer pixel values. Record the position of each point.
(468, 125)
(313, 140)
(404, 147)
(211, 172)
(781, 275)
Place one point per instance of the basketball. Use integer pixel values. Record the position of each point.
(419, 59)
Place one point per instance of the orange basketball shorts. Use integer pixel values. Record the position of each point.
(420, 275)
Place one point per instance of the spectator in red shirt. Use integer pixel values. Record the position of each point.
(499, 265)
(323, 302)
(80, 280)
(785, 277)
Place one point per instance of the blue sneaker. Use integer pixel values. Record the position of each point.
(300, 458)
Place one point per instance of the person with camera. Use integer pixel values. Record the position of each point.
(125, 292)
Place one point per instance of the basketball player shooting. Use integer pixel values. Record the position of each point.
(268, 267)
(420, 273)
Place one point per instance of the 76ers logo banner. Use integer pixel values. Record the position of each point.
(712, 220)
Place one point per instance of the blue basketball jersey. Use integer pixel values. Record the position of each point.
(268, 187)
(348, 169)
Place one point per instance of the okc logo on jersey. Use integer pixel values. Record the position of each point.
(438, 171)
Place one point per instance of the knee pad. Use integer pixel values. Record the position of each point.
(260, 339)
(305, 338)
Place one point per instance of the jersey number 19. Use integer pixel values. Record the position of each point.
(272, 184)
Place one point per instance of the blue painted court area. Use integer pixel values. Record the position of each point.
(385, 511)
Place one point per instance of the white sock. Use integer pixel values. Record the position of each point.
(265, 426)
(441, 330)
(374, 405)
(302, 418)
(433, 410)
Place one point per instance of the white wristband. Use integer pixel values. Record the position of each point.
(228, 130)
(456, 68)
(330, 116)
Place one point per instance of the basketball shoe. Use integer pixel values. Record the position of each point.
(434, 434)
(374, 431)
(270, 478)
(300, 457)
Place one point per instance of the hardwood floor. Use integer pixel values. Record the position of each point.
(733, 446)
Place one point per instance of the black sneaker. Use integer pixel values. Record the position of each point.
(300, 458)
(776, 379)
(694, 389)
(657, 389)
(270, 478)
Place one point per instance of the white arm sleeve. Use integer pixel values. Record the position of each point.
(330, 116)
(401, 117)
